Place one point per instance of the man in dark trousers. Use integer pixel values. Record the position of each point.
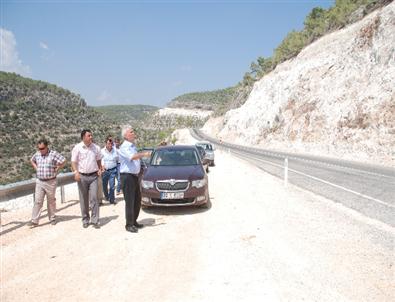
(86, 163)
(130, 169)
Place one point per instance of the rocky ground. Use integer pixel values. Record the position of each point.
(259, 241)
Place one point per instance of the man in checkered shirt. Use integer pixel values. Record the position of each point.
(47, 163)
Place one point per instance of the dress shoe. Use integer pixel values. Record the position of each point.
(32, 224)
(53, 222)
(85, 225)
(138, 225)
(131, 228)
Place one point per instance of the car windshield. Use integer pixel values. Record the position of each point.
(187, 157)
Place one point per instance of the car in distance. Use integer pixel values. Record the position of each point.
(175, 177)
(208, 147)
(203, 157)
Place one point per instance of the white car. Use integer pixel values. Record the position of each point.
(209, 148)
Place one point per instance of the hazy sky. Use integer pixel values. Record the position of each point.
(143, 52)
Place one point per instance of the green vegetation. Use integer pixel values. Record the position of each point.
(208, 100)
(126, 113)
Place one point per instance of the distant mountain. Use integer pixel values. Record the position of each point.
(208, 100)
(123, 114)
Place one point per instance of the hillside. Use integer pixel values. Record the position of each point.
(126, 113)
(32, 109)
(207, 101)
(336, 97)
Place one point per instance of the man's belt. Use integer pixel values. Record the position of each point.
(89, 174)
(112, 168)
(46, 179)
(136, 175)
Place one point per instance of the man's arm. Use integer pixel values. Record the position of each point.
(33, 164)
(60, 166)
(141, 155)
(74, 166)
(99, 172)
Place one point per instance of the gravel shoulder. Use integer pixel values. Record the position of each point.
(258, 241)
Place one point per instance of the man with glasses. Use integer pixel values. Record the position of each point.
(46, 163)
(86, 163)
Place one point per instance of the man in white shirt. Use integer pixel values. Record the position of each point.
(109, 169)
(86, 164)
(130, 169)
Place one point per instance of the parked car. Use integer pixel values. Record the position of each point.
(175, 177)
(209, 148)
(203, 157)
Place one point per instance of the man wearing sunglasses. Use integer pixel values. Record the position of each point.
(46, 163)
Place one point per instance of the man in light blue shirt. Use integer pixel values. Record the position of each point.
(130, 169)
(109, 167)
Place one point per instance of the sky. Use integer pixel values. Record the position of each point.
(143, 52)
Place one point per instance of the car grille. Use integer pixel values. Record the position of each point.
(176, 186)
(172, 201)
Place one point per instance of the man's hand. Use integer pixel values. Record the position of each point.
(99, 172)
(77, 176)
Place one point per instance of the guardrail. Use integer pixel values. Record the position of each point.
(198, 134)
(26, 187)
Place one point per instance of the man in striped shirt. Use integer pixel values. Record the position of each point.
(46, 163)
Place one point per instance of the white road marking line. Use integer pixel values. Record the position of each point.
(331, 184)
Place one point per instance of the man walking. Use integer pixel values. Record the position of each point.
(109, 167)
(86, 162)
(46, 163)
(130, 169)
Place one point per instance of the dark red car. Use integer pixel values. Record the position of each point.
(175, 177)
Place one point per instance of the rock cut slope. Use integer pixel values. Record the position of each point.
(337, 97)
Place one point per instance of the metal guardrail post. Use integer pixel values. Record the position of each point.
(62, 195)
(286, 172)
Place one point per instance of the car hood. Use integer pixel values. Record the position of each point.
(154, 173)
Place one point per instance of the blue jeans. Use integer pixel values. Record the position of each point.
(118, 178)
(108, 178)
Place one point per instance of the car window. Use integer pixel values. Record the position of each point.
(186, 157)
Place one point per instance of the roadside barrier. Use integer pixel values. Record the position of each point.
(26, 187)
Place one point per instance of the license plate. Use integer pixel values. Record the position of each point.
(171, 195)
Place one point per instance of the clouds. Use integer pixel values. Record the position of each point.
(9, 58)
(43, 46)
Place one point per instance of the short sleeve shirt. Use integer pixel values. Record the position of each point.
(47, 163)
(86, 157)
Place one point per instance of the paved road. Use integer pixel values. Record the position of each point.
(368, 189)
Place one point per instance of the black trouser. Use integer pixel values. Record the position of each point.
(132, 195)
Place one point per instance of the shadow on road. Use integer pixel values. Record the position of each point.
(14, 225)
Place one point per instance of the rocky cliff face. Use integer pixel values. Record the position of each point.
(337, 97)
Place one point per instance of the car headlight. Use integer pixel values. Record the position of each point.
(147, 184)
(199, 183)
